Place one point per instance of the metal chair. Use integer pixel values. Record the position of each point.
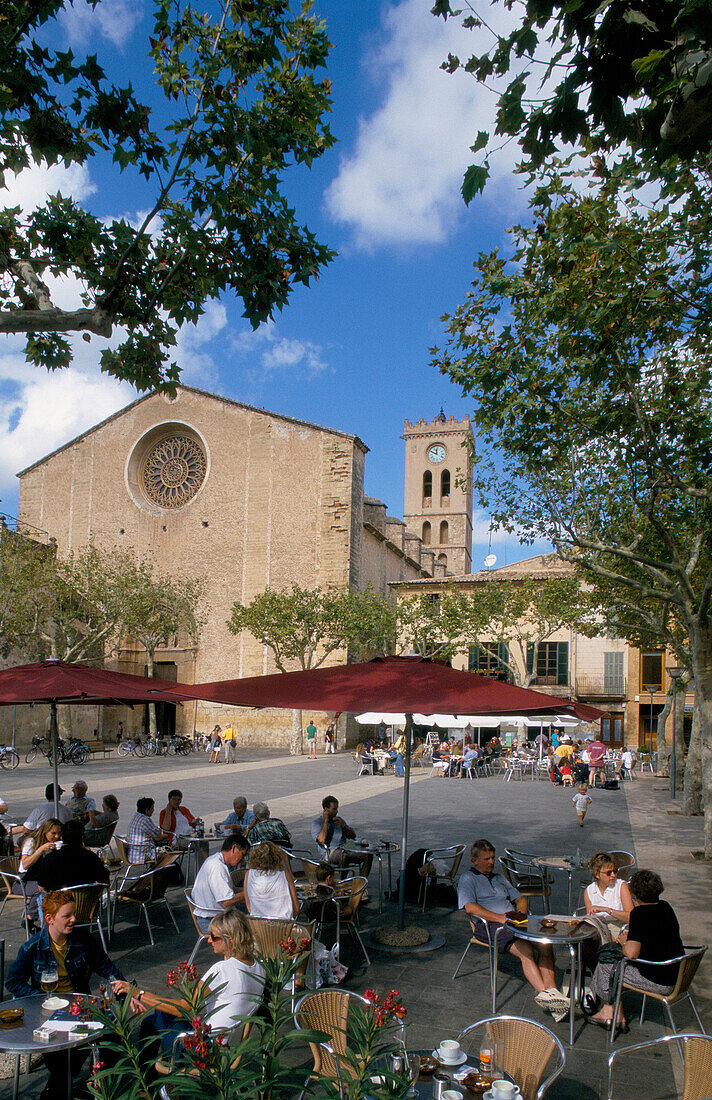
(696, 1057)
(528, 879)
(624, 862)
(202, 936)
(482, 936)
(365, 762)
(327, 1010)
(429, 872)
(268, 933)
(99, 838)
(523, 1049)
(87, 899)
(9, 873)
(689, 964)
(149, 889)
(351, 891)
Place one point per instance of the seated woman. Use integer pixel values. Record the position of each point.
(74, 955)
(32, 847)
(237, 978)
(608, 896)
(653, 935)
(269, 888)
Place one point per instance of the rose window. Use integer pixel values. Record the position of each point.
(173, 471)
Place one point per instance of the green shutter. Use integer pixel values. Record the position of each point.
(562, 664)
(474, 658)
(530, 659)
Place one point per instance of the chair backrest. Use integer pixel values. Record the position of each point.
(121, 849)
(688, 969)
(10, 865)
(268, 933)
(309, 869)
(418, 752)
(454, 852)
(87, 899)
(698, 1067)
(191, 908)
(327, 1010)
(524, 1049)
(99, 838)
(622, 861)
(353, 888)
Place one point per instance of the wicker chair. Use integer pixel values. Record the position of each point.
(428, 872)
(527, 879)
(147, 890)
(482, 936)
(9, 873)
(689, 963)
(697, 1062)
(164, 1068)
(524, 1049)
(268, 933)
(327, 1010)
(202, 936)
(88, 898)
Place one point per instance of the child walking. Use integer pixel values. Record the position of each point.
(582, 800)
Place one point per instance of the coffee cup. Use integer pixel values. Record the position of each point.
(503, 1090)
(449, 1050)
(450, 1094)
(58, 844)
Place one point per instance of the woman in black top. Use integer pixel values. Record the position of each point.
(653, 934)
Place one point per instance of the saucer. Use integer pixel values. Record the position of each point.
(489, 1095)
(53, 1004)
(462, 1057)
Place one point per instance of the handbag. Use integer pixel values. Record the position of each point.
(612, 954)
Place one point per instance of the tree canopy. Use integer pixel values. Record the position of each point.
(236, 102)
(595, 75)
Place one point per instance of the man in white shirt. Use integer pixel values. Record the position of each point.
(213, 889)
(45, 810)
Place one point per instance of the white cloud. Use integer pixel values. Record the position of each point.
(278, 354)
(401, 182)
(197, 363)
(30, 188)
(111, 19)
(481, 533)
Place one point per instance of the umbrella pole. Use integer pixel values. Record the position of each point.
(404, 827)
(54, 741)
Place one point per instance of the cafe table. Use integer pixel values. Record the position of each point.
(424, 1086)
(190, 843)
(17, 1038)
(379, 850)
(568, 864)
(567, 932)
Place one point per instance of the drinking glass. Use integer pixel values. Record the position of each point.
(49, 979)
(413, 1072)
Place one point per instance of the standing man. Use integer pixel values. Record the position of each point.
(213, 889)
(483, 893)
(329, 738)
(311, 739)
(329, 831)
(229, 737)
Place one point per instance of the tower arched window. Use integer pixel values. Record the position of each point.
(426, 533)
(444, 532)
(445, 483)
(442, 558)
(427, 485)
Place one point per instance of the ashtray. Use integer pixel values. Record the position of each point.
(364, 844)
(428, 1065)
(477, 1083)
(11, 1015)
(547, 924)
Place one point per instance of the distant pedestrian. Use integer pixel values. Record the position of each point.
(214, 745)
(582, 800)
(229, 738)
(311, 739)
(329, 736)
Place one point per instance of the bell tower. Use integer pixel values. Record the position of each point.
(438, 489)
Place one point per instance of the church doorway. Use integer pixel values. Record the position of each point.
(165, 712)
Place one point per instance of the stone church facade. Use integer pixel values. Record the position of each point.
(248, 499)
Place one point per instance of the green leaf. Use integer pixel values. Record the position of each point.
(480, 142)
(475, 179)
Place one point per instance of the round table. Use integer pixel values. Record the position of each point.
(378, 851)
(567, 935)
(190, 843)
(17, 1038)
(569, 864)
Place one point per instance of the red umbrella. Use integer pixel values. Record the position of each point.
(408, 684)
(57, 682)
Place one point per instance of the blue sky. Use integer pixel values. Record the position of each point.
(352, 351)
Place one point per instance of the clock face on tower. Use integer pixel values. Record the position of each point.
(436, 453)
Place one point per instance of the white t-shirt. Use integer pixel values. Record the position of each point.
(27, 849)
(627, 760)
(46, 810)
(268, 894)
(212, 885)
(611, 896)
(242, 989)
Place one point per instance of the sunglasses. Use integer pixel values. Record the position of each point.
(214, 938)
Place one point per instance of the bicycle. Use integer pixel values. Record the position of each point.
(131, 746)
(71, 751)
(9, 758)
(38, 745)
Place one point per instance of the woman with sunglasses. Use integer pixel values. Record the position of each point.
(237, 978)
(608, 896)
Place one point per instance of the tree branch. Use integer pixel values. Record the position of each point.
(51, 319)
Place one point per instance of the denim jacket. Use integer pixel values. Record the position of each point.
(84, 957)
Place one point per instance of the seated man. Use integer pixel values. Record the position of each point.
(468, 762)
(329, 832)
(176, 820)
(79, 803)
(99, 822)
(75, 955)
(142, 834)
(441, 759)
(240, 819)
(213, 889)
(484, 893)
(45, 810)
(264, 827)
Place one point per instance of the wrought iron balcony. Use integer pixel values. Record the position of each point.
(601, 687)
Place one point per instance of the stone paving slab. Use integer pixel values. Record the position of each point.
(531, 815)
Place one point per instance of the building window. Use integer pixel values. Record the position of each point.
(445, 483)
(427, 485)
(426, 534)
(552, 663)
(444, 533)
(442, 558)
(613, 680)
(651, 671)
(488, 659)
